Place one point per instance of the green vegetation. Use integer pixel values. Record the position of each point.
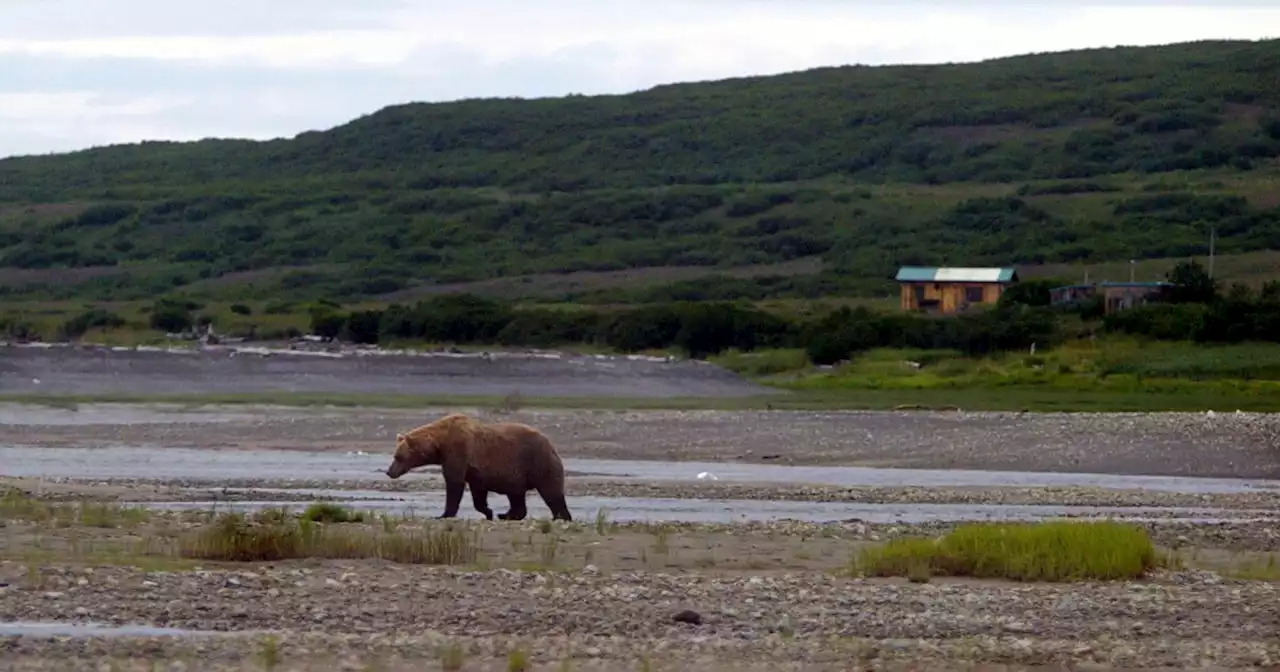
(274, 535)
(518, 660)
(1111, 365)
(1197, 349)
(1054, 551)
(809, 184)
(328, 512)
(18, 505)
(452, 656)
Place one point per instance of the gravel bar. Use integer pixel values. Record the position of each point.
(789, 621)
(1229, 445)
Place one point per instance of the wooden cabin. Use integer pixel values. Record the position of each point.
(948, 291)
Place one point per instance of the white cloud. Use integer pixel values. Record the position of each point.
(75, 73)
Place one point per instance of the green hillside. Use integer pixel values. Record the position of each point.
(832, 177)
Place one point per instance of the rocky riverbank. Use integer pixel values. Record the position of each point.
(369, 611)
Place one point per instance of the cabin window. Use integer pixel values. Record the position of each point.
(973, 294)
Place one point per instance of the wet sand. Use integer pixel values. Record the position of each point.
(237, 370)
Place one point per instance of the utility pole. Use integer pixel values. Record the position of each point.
(1131, 269)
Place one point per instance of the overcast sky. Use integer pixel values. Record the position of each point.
(80, 73)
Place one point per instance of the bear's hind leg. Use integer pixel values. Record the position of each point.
(480, 497)
(555, 502)
(518, 510)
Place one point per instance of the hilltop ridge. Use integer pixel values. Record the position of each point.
(1089, 155)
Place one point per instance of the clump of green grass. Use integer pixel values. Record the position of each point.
(328, 512)
(762, 362)
(234, 538)
(518, 660)
(1054, 551)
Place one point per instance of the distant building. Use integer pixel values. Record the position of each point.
(1069, 294)
(1122, 295)
(1115, 295)
(951, 290)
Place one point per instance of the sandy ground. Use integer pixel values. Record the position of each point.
(1169, 444)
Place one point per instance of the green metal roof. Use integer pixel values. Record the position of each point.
(935, 274)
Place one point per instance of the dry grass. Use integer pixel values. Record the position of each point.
(274, 536)
(1250, 268)
(42, 533)
(17, 505)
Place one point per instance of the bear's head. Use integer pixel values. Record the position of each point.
(413, 452)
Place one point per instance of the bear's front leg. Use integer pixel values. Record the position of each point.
(452, 498)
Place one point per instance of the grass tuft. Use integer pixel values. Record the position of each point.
(518, 660)
(234, 538)
(452, 657)
(328, 512)
(602, 524)
(269, 652)
(1054, 551)
(18, 505)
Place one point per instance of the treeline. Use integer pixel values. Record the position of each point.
(1195, 310)
(698, 328)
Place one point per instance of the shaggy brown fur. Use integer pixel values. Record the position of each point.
(507, 458)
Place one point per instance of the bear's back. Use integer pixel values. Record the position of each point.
(510, 456)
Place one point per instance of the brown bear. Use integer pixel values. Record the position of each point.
(508, 458)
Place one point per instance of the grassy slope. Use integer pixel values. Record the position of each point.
(840, 174)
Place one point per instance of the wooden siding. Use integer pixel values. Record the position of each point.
(948, 297)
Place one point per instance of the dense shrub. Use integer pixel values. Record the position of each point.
(95, 318)
(171, 315)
